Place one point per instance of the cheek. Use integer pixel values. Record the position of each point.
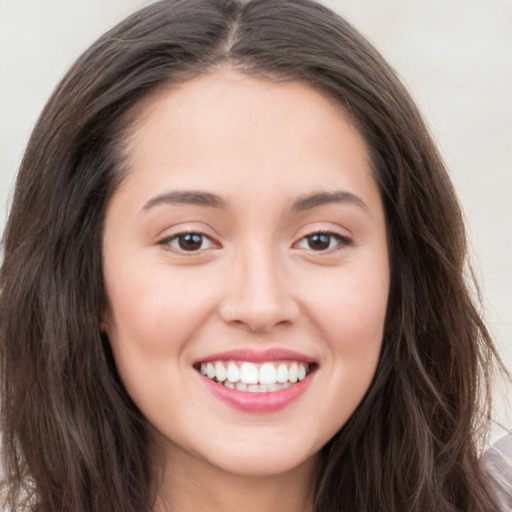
(150, 325)
(152, 311)
(351, 311)
(351, 317)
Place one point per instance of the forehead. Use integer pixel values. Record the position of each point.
(224, 129)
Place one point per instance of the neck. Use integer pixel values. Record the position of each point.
(191, 485)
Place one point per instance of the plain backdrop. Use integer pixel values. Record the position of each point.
(454, 55)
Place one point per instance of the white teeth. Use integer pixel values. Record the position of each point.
(210, 370)
(293, 372)
(282, 373)
(248, 373)
(268, 374)
(278, 386)
(233, 372)
(252, 377)
(256, 388)
(220, 371)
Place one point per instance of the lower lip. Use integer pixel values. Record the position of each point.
(269, 401)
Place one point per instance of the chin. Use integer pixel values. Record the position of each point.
(264, 464)
(243, 458)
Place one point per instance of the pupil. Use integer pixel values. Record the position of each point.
(319, 241)
(190, 241)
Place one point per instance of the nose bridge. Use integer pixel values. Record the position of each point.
(257, 295)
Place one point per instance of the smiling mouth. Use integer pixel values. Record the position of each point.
(252, 377)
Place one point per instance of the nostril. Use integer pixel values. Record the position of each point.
(260, 327)
(260, 317)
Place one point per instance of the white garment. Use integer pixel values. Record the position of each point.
(498, 462)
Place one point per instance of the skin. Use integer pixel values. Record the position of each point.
(254, 281)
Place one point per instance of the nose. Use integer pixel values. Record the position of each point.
(257, 296)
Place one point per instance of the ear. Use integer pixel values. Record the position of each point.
(104, 322)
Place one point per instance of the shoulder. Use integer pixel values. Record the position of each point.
(498, 462)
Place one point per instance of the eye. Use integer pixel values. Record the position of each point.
(323, 241)
(188, 242)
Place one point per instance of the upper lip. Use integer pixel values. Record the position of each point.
(258, 356)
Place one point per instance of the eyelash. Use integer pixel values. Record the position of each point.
(342, 241)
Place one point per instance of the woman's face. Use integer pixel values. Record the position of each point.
(248, 242)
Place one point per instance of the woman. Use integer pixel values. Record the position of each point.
(234, 276)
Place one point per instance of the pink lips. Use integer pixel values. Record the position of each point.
(253, 356)
(257, 402)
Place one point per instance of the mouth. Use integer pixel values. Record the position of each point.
(252, 377)
(257, 382)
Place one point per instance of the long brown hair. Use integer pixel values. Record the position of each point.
(72, 439)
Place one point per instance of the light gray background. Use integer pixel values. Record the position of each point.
(454, 55)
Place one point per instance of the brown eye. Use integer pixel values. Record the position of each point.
(319, 241)
(323, 241)
(188, 242)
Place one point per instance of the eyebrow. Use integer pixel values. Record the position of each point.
(209, 200)
(193, 197)
(321, 198)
